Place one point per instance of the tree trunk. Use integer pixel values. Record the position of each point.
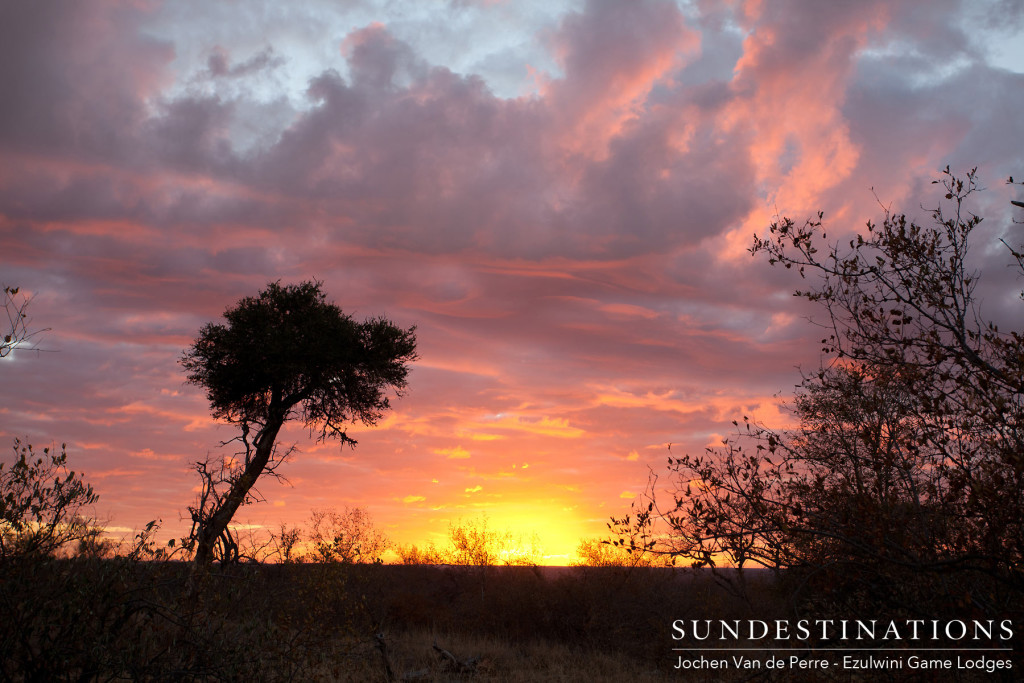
(219, 520)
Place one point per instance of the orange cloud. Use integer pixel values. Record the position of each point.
(455, 453)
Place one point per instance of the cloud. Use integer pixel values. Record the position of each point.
(78, 75)
(613, 56)
(455, 453)
(219, 65)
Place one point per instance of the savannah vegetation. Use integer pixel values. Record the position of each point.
(897, 493)
(312, 602)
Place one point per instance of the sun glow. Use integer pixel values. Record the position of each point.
(546, 534)
(556, 530)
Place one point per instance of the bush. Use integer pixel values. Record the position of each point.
(42, 504)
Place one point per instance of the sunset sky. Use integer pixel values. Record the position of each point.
(559, 195)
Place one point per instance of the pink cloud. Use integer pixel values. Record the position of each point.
(80, 73)
(613, 56)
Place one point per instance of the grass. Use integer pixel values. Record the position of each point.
(92, 619)
(412, 656)
(117, 619)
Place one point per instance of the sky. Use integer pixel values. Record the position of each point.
(558, 195)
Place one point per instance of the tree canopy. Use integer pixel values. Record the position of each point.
(287, 353)
(289, 348)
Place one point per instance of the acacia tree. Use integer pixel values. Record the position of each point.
(285, 353)
(904, 481)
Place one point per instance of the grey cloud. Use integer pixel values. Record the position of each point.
(219, 64)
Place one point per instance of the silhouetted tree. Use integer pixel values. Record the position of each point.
(473, 543)
(347, 536)
(15, 331)
(286, 353)
(904, 481)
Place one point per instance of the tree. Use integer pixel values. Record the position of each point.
(904, 482)
(15, 331)
(605, 552)
(472, 543)
(286, 353)
(428, 554)
(348, 536)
